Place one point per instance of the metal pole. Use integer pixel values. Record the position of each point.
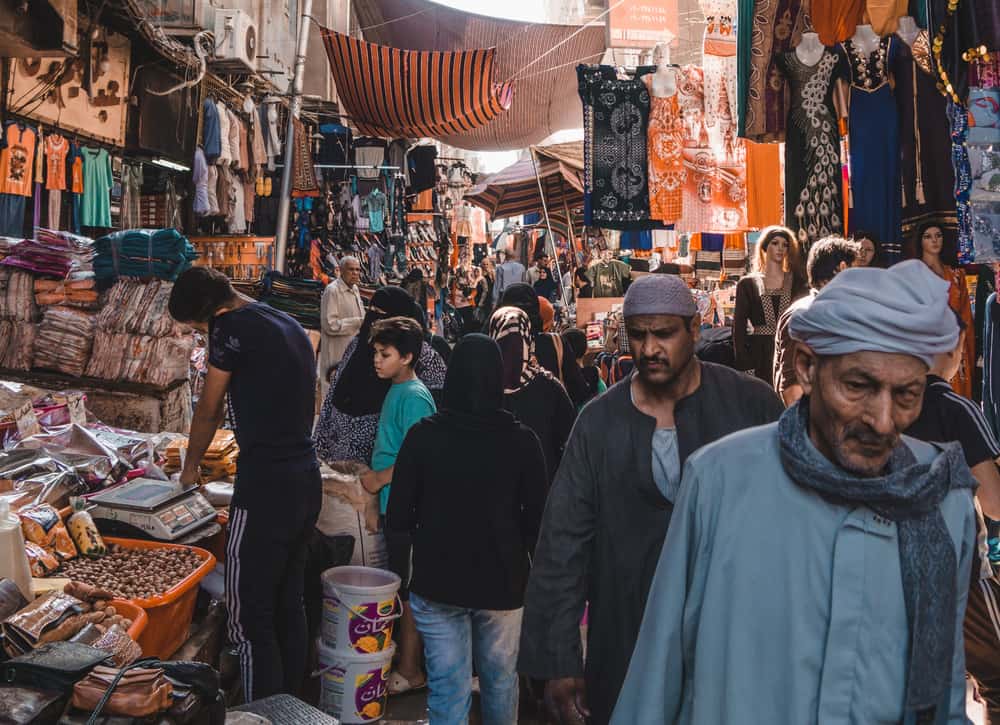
(552, 237)
(295, 108)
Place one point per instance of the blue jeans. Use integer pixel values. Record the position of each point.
(453, 638)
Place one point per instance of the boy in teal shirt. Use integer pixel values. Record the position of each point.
(397, 342)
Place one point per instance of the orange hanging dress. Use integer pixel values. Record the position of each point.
(665, 141)
(885, 15)
(836, 20)
(958, 300)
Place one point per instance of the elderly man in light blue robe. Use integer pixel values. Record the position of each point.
(816, 570)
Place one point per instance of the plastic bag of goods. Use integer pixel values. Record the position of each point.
(349, 510)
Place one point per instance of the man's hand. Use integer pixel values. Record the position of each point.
(566, 701)
(189, 478)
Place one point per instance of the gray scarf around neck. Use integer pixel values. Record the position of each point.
(909, 494)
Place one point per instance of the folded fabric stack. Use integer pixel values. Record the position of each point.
(17, 297)
(137, 340)
(143, 253)
(72, 292)
(299, 298)
(143, 359)
(17, 344)
(64, 339)
(139, 308)
(7, 244)
(219, 460)
(55, 254)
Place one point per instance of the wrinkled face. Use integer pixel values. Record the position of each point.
(662, 346)
(866, 253)
(932, 241)
(777, 250)
(388, 362)
(350, 272)
(859, 404)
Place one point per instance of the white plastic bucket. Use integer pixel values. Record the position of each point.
(354, 687)
(360, 606)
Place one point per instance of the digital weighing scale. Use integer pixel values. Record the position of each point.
(159, 509)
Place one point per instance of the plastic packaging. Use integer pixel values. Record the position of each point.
(83, 531)
(13, 559)
(43, 526)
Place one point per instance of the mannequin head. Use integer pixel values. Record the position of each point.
(868, 249)
(778, 247)
(931, 244)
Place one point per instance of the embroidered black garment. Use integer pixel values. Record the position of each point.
(616, 118)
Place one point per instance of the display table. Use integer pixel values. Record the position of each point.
(132, 406)
(587, 307)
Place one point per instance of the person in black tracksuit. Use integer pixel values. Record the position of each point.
(263, 359)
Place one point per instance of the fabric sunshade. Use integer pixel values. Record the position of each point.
(540, 57)
(514, 190)
(396, 93)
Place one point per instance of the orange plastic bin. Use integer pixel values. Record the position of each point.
(170, 613)
(134, 612)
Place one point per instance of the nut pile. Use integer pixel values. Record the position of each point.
(133, 573)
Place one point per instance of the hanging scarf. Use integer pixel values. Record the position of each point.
(909, 494)
(511, 329)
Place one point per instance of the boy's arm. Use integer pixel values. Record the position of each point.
(375, 481)
(415, 409)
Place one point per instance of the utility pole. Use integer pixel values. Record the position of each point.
(295, 108)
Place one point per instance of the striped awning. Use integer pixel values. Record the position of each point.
(541, 57)
(514, 191)
(395, 93)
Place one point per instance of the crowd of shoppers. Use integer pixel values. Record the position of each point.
(521, 498)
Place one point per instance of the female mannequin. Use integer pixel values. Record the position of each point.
(907, 30)
(810, 49)
(664, 81)
(762, 297)
(866, 39)
(664, 142)
(928, 245)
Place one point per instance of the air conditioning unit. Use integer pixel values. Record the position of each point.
(235, 41)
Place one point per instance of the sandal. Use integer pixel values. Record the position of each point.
(399, 685)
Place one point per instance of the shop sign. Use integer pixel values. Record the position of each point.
(641, 23)
(52, 90)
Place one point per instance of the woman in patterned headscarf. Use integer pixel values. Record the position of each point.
(535, 397)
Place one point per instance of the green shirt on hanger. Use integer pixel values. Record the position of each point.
(95, 207)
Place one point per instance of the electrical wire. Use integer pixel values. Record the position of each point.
(565, 40)
(396, 20)
(562, 65)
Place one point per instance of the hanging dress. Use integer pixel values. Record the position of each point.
(666, 164)
(885, 14)
(777, 28)
(874, 142)
(616, 121)
(928, 191)
(836, 20)
(812, 152)
(719, 61)
(958, 300)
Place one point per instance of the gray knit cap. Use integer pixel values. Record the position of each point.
(659, 294)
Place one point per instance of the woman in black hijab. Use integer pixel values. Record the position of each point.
(560, 360)
(531, 393)
(494, 515)
(523, 297)
(576, 345)
(348, 420)
(546, 287)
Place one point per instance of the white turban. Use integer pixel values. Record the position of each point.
(903, 309)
